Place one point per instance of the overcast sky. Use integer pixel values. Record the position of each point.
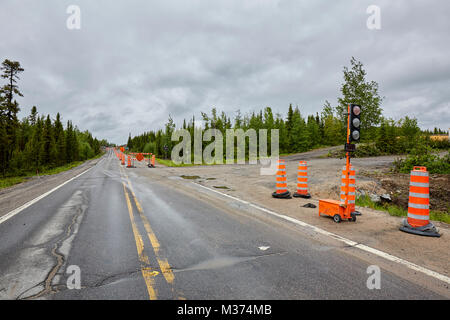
(133, 62)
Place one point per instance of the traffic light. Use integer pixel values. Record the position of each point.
(355, 122)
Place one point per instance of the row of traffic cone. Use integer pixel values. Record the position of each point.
(121, 156)
(302, 182)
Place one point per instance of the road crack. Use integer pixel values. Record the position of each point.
(49, 288)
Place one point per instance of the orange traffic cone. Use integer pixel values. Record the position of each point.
(281, 186)
(123, 159)
(302, 181)
(151, 160)
(129, 162)
(418, 221)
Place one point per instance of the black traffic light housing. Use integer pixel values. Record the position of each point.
(355, 122)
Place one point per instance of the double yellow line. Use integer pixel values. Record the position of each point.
(147, 272)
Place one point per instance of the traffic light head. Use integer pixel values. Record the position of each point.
(355, 122)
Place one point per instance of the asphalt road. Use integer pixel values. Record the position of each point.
(133, 237)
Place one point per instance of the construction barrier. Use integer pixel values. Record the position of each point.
(122, 159)
(150, 160)
(418, 221)
(281, 183)
(302, 181)
(152, 164)
(129, 162)
(348, 188)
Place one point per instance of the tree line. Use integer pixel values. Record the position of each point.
(299, 132)
(36, 142)
(296, 133)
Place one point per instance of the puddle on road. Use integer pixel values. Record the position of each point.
(220, 262)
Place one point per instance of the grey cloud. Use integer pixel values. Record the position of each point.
(135, 62)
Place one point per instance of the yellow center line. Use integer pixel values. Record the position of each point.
(166, 269)
(147, 272)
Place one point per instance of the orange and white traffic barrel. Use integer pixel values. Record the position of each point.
(348, 189)
(123, 159)
(418, 221)
(281, 182)
(129, 162)
(302, 181)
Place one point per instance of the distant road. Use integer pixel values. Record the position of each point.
(138, 238)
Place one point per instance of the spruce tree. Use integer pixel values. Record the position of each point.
(33, 116)
(60, 141)
(9, 107)
(48, 147)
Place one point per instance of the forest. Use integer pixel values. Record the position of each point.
(37, 142)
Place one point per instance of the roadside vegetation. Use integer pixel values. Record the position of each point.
(404, 137)
(10, 181)
(395, 210)
(37, 144)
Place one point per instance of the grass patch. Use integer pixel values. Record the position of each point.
(61, 169)
(439, 216)
(394, 210)
(190, 177)
(10, 181)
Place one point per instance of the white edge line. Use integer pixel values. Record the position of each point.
(354, 244)
(12, 213)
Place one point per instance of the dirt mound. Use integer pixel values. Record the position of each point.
(398, 184)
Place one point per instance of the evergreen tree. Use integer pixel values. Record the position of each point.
(289, 120)
(298, 139)
(3, 146)
(9, 108)
(32, 117)
(313, 132)
(71, 143)
(33, 147)
(48, 148)
(130, 142)
(60, 141)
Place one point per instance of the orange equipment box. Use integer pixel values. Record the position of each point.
(332, 208)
